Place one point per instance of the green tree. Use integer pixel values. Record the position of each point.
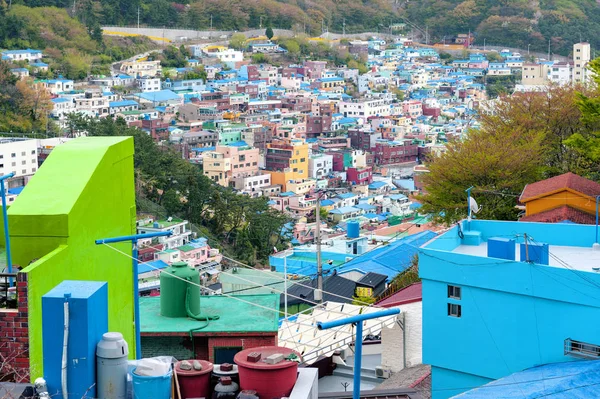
(269, 33)
(237, 41)
(502, 160)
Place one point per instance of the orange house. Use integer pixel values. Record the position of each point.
(564, 198)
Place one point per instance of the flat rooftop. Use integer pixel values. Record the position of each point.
(163, 223)
(578, 258)
(236, 315)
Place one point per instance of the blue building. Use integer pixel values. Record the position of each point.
(495, 303)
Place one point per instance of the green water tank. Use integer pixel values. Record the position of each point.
(174, 284)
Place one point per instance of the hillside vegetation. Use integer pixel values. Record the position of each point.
(515, 23)
(71, 48)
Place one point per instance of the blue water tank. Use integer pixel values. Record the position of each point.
(353, 229)
(88, 320)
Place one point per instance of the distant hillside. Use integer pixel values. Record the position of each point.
(512, 23)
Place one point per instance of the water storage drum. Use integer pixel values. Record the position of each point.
(179, 285)
(111, 366)
(267, 370)
(194, 383)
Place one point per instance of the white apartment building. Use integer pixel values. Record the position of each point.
(178, 227)
(93, 103)
(141, 68)
(581, 57)
(251, 185)
(229, 56)
(320, 165)
(380, 106)
(561, 73)
(56, 86)
(147, 84)
(534, 74)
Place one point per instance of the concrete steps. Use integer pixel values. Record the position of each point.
(348, 372)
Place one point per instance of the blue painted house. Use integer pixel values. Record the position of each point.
(493, 306)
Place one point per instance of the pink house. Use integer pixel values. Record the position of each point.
(412, 108)
(198, 251)
(244, 159)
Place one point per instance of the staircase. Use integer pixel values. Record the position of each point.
(366, 375)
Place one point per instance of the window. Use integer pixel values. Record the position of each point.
(34, 160)
(14, 164)
(23, 153)
(13, 155)
(454, 310)
(23, 162)
(454, 292)
(581, 349)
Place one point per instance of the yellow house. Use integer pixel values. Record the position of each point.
(217, 167)
(567, 197)
(287, 160)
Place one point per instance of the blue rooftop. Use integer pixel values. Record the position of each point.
(346, 195)
(568, 380)
(377, 184)
(160, 96)
(390, 259)
(344, 209)
(123, 103)
(151, 266)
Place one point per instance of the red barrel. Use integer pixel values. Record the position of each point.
(194, 383)
(268, 380)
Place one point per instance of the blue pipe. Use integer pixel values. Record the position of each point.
(136, 294)
(597, 198)
(358, 320)
(6, 235)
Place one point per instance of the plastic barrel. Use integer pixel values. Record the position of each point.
(151, 387)
(195, 383)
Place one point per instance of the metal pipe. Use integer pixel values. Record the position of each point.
(358, 321)
(468, 190)
(5, 217)
(597, 198)
(285, 290)
(134, 237)
(136, 295)
(63, 374)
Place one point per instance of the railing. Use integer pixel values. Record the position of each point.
(8, 295)
(581, 349)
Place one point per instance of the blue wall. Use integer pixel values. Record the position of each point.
(449, 383)
(515, 315)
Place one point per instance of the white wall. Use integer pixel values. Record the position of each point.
(392, 339)
(24, 161)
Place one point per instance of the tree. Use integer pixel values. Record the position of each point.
(586, 142)
(269, 33)
(237, 41)
(502, 160)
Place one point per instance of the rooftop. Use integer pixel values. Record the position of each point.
(163, 223)
(235, 315)
(559, 183)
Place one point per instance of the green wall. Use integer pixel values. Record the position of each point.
(84, 191)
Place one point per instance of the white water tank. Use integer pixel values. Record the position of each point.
(111, 366)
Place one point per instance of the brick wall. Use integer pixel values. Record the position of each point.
(181, 348)
(245, 342)
(14, 337)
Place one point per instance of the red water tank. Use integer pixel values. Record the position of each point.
(269, 380)
(194, 383)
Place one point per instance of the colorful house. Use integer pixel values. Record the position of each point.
(567, 197)
(501, 297)
(84, 191)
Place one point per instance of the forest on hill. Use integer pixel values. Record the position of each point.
(512, 23)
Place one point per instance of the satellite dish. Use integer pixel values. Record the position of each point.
(473, 205)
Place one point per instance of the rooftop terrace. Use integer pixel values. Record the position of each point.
(235, 315)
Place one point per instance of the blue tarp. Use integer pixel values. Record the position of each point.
(568, 380)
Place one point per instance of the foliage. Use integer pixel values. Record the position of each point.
(406, 277)
(24, 105)
(237, 41)
(172, 57)
(247, 224)
(527, 137)
(586, 142)
(260, 58)
(499, 85)
(499, 159)
(363, 300)
(269, 33)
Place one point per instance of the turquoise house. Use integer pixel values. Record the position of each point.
(502, 297)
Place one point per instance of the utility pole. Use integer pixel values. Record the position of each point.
(344, 28)
(426, 34)
(319, 291)
(260, 23)
(210, 21)
(138, 18)
(549, 43)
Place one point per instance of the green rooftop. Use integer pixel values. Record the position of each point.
(186, 248)
(235, 315)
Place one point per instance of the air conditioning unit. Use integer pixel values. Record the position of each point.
(382, 372)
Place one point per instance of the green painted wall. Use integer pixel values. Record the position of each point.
(83, 191)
